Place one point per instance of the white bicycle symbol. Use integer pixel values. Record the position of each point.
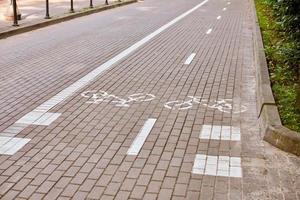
(102, 96)
(224, 105)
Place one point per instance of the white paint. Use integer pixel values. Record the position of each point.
(190, 59)
(223, 105)
(9, 145)
(216, 132)
(217, 166)
(102, 96)
(224, 9)
(141, 137)
(228, 3)
(46, 119)
(208, 31)
(38, 118)
(219, 17)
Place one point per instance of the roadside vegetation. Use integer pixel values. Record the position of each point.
(280, 26)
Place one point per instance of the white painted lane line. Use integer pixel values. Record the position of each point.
(208, 31)
(217, 166)
(190, 59)
(224, 9)
(141, 137)
(228, 3)
(46, 119)
(10, 146)
(219, 17)
(216, 132)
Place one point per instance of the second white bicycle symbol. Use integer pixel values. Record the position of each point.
(102, 96)
(223, 105)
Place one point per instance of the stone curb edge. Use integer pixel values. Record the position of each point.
(59, 19)
(270, 124)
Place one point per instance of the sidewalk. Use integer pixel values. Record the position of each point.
(34, 10)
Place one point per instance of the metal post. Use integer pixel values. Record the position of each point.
(72, 8)
(106, 2)
(15, 13)
(47, 10)
(91, 4)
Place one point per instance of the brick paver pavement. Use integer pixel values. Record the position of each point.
(175, 119)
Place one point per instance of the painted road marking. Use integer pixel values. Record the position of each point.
(190, 59)
(141, 137)
(219, 17)
(38, 118)
(217, 166)
(215, 132)
(228, 3)
(10, 146)
(224, 9)
(208, 31)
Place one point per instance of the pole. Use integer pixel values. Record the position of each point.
(15, 13)
(106, 2)
(47, 10)
(91, 4)
(72, 7)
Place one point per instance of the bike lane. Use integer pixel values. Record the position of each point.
(178, 153)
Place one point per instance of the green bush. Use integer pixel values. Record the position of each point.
(280, 27)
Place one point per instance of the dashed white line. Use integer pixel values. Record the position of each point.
(190, 59)
(217, 166)
(228, 3)
(219, 17)
(208, 31)
(224, 9)
(215, 132)
(9, 145)
(141, 137)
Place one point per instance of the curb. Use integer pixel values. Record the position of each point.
(59, 19)
(270, 124)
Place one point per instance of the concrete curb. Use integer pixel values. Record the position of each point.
(271, 127)
(59, 19)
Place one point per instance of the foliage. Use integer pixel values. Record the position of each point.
(280, 26)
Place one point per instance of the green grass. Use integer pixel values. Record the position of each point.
(283, 77)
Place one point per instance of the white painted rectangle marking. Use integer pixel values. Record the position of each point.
(208, 31)
(141, 137)
(216, 132)
(217, 166)
(224, 9)
(47, 119)
(12, 145)
(219, 17)
(190, 59)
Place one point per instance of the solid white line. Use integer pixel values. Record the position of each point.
(141, 137)
(208, 31)
(190, 59)
(219, 17)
